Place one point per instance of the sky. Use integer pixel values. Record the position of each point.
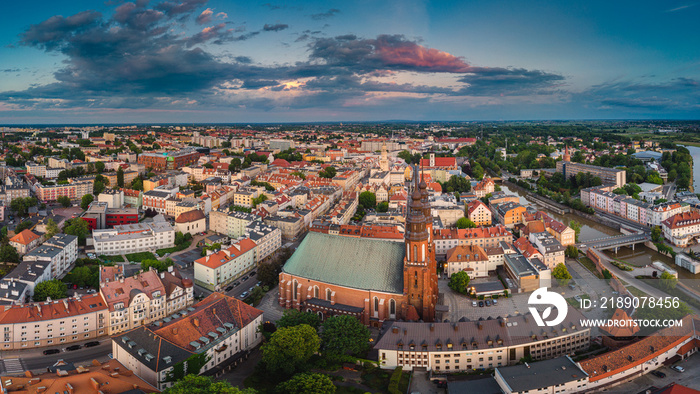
(218, 61)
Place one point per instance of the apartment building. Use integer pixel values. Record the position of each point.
(617, 177)
(291, 226)
(484, 187)
(509, 214)
(485, 237)
(222, 327)
(157, 200)
(99, 216)
(267, 239)
(552, 251)
(230, 223)
(52, 323)
(483, 344)
(563, 375)
(478, 213)
(25, 241)
(134, 238)
(168, 160)
(221, 267)
(682, 229)
(144, 298)
(114, 198)
(133, 198)
(469, 258)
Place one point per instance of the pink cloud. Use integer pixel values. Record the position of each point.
(403, 53)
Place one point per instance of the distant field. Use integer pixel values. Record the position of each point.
(687, 143)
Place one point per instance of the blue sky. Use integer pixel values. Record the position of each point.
(221, 61)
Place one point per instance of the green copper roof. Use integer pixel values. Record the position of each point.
(351, 262)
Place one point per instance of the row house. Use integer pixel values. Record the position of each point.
(138, 237)
(157, 200)
(219, 268)
(143, 298)
(230, 223)
(485, 237)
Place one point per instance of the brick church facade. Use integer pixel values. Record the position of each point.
(372, 280)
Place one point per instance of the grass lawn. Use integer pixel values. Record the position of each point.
(115, 259)
(590, 265)
(636, 292)
(139, 257)
(687, 143)
(178, 248)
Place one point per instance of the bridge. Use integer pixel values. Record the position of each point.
(615, 242)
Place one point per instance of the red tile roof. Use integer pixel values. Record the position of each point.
(25, 237)
(621, 326)
(190, 216)
(466, 253)
(440, 162)
(40, 311)
(682, 220)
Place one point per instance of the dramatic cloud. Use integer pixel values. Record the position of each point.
(276, 27)
(496, 81)
(205, 17)
(173, 9)
(326, 15)
(678, 94)
(386, 51)
(53, 32)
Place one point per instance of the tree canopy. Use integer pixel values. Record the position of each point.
(561, 274)
(54, 288)
(290, 349)
(295, 317)
(367, 199)
(343, 335)
(304, 383)
(465, 223)
(328, 172)
(194, 384)
(77, 227)
(86, 201)
(64, 200)
(459, 282)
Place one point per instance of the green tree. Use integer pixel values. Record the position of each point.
(21, 205)
(99, 167)
(194, 384)
(290, 349)
(294, 317)
(208, 165)
(571, 251)
(54, 288)
(465, 223)
(8, 254)
(328, 172)
(81, 276)
(77, 227)
(343, 335)
(64, 200)
(304, 383)
(120, 177)
(406, 156)
(561, 274)
(52, 228)
(137, 184)
(86, 201)
(299, 174)
(576, 226)
(656, 234)
(179, 238)
(667, 281)
(99, 187)
(25, 225)
(459, 282)
(368, 200)
(383, 206)
(160, 266)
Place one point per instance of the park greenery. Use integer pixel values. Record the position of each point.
(464, 222)
(561, 274)
(459, 282)
(54, 289)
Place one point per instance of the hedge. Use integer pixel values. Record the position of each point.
(174, 249)
(395, 380)
(138, 257)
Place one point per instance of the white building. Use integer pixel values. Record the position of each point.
(267, 239)
(113, 198)
(221, 327)
(134, 238)
(221, 267)
(558, 375)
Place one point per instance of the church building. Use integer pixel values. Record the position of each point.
(373, 280)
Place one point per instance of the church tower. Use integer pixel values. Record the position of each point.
(384, 160)
(420, 269)
(567, 156)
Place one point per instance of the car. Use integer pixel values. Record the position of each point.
(92, 291)
(92, 344)
(678, 368)
(481, 304)
(244, 294)
(51, 351)
(236, 283)
(252, 273)
(245, 278)
(111, 356)
(258, 284)
(229, 288)
(658, 374)
(488, 302)
(577, 298)
(571, 286)
(75, 287)
(495, 302)
(251, 289)
(473, 303)
(74, 347)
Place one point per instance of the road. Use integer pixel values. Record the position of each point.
(35, 360)
(623, 221)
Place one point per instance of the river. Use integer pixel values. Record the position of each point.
(695, 152)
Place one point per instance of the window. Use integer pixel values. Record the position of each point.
(316, 292)
(392, 308)
(294, 290)
(328, 294)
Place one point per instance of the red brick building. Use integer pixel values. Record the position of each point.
(168, 160)
(374, 280)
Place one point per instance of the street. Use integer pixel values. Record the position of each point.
(34, 359)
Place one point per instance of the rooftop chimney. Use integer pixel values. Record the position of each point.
(195, 321)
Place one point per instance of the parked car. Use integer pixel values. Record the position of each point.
(481, 304)
(473, 303)
(495, 302)
(571, 286)
(91, 344)
(252, 273)
(92, 291)
(678, 368)
(229, 288)
(236, 283)
(111, 356)
(51, 351)
(244, 294)
(488, 302)
(658, 374)
(75, 287)
(74, 347)
(245, 278)
(258, 284)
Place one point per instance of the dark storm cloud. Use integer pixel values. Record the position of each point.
(484, 81)
(275, 27)
(676, 94)
(52, 32)
(326, 15)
